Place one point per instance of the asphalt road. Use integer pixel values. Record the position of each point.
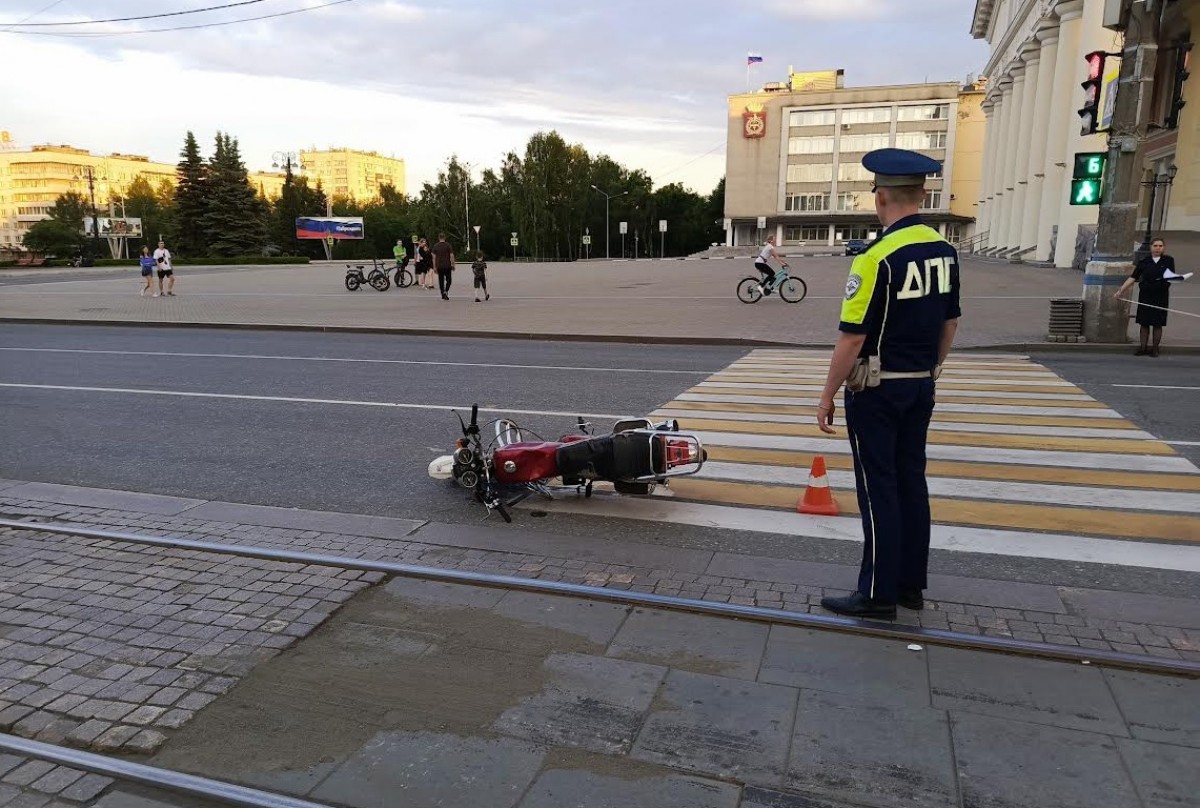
(324, 449)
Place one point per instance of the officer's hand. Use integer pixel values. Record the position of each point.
(825, 411)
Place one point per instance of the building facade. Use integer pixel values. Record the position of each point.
(1033, 128)
(32, 179)
(794, 156)
(352, 174)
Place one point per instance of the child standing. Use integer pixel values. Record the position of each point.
(147, 263)
(479, 270)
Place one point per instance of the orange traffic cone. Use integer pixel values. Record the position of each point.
(817, 497)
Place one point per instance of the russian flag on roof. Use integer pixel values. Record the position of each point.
(753, 58)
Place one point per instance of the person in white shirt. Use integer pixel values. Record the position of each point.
(166, 274)
(763, 262)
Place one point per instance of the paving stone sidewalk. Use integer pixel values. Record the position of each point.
(1053, 623)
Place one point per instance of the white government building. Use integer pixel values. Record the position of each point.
(1034, 75)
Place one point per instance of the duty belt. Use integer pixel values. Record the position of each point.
(915, 374)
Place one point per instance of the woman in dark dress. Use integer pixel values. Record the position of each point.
(1154, 295)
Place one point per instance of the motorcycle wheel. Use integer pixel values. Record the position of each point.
(793, 290)
(749, 290)
(352, 283)
(379, 281)
(404, 279)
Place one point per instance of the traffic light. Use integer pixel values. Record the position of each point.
(1181, 75)
(1087, 180)
(1089, 114)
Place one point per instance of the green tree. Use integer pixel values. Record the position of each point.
(191, 200)
(154, 206)
(52, 237)
(234, 221)
(296, 199)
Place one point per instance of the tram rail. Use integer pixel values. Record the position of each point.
(851, 626)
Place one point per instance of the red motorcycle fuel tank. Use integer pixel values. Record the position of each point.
(526, 462)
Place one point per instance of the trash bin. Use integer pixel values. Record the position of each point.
(1066, 320)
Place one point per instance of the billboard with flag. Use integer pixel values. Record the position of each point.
(336, 227)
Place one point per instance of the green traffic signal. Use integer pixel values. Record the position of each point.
(1085, 192)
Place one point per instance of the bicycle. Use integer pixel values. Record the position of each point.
(404, 276)
(791, 290)
(377, 277)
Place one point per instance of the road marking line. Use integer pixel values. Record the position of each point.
(1002, 515)
(938, 425)
(965, 488)
(1183, 442)
(1164, 481)
(946, 406)
(1154, 387)
(699, 408)
(1015, 385)
(296, 400)
(180, 354)
(989, 541)
(1029, 457)
(1119, 446)
(941, 391)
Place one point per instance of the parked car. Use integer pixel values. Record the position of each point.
(856, 246)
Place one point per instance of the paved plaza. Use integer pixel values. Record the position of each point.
(1003, 304)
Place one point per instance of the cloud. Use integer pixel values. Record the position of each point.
(643, 82)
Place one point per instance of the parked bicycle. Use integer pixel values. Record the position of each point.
(791, 290)
(377, 278)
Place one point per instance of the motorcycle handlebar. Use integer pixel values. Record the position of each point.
(474, 415)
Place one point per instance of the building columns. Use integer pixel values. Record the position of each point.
(1014, 98)
(1048, 37)
(984, 211)
(996, 191)
(1025, 134)
(1054, 190)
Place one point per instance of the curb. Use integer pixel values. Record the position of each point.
(1008, 347)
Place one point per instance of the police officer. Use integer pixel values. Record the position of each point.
(898, 322)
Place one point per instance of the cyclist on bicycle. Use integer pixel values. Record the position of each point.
(763, 263)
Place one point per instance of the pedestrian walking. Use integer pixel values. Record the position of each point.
(1154, 295)
(479, 271)
(424, 264)
(443, 262)
(146, 261)
(899, 317)
(166, 273)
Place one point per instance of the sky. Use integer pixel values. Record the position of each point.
(644, 81)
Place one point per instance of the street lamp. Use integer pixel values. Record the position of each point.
(1164, 180)
(87, 171)
(607, 235)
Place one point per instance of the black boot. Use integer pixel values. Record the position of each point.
(859, 605)
(911, 599)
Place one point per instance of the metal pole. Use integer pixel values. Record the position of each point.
(95, 214)
(1145, 248)
(608, 231)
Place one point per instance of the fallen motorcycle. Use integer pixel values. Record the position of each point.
(635, 457)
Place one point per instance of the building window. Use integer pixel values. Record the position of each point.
(806, 202)
(810, 145)
(921, 140)
(806, 233)
(864, 143)
(857, 232)
(815, 117)
(854, 172)
(924, 112)
(856, 200)
(867, 115)
(810, 172)
(933, 200)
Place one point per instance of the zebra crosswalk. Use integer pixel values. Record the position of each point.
(1021, 462)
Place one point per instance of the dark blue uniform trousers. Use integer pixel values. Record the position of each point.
(887, 426)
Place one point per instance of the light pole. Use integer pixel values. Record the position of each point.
(87, 171)
(467, 203)
(607, 235)
(287, 159)
(1165, 180)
